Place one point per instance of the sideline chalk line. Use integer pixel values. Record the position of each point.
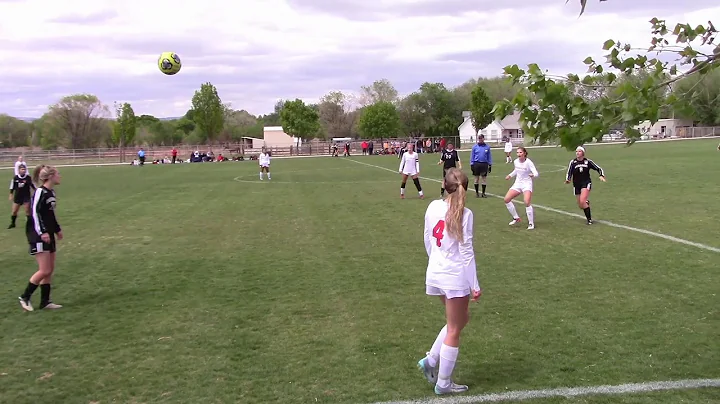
(569, 392)
(562, 212)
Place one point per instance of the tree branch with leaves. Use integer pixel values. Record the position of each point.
(552, 111)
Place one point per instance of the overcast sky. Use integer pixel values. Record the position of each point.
(258, 51)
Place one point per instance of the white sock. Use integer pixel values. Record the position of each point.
(260, 174)
(434, 356)
(268, 174)
(420, 193)
(448, 356)
(511, 208)
(402, 191)
(530, 214)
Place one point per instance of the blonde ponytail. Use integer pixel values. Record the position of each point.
(42, 173)
(456, 183)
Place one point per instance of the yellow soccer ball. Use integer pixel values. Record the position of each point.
(169, 63)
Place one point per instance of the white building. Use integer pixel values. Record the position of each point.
(508, 127)
(665, 128)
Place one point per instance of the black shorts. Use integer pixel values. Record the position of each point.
(577, 188)
(21, 199)
(480, 169)
(41, 246)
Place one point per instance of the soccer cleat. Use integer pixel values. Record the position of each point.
(25, 304)
(422, 196)
(51, 306)
(430, 373)
(12, 226)
(531, 226)
(515, 221)
(453, 388)
(589, 222)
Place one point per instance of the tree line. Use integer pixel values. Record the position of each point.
(630, 87)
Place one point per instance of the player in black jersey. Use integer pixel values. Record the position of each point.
(449, 159)
(42, 231)
(21, 188)
(579, 172)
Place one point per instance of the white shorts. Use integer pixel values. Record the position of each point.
(264, 165)
(409, 172)
(522, 187)
(449, 294)
(508, 148)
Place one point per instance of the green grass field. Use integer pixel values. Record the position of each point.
(197, 283)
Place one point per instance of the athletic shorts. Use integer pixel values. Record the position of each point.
(43, 247)
(480, 169)
(449, 294)
(21, 199)
(577, 188)
(522, 187)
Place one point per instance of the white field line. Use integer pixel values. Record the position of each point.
(569, 392)
(562, 212)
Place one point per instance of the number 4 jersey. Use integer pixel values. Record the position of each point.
(451, 262)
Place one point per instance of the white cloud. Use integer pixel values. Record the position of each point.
(257, 51)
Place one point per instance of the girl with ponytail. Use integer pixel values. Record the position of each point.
(42, 231)
(451, 274)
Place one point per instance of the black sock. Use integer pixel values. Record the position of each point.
(483, 187)
(44, 294)
(402, 185)
(13, 218)
(476, 188)
(416, 181)
(29, 290)
(587, 213)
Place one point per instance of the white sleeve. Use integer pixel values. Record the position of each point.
(513, 173)
(402, 163)
(533, 169)
(417, 164)
(12, 183)
(427, 233)
(467, 252)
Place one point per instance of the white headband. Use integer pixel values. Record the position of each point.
(580, 148)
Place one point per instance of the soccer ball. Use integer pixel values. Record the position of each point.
(169, 63)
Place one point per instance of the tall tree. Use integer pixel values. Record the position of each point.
(124, 127)
(80, 118)
(699, 98)
(208, 111)
(14, 132)
(299, 120)
(551, 111)
(379, 120)
(334, 116)
(378, 91)
(481, 108)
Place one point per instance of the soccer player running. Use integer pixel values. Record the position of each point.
(410, 167)
(21, 188)
(452, 275)
(42, 231)
(264, 161)
(579, 172)
(524, 174)
(449, 159)
(481, 164)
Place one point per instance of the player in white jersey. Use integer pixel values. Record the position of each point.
(451, 274)
(20, 162)
(508, 150)
(410, 167)
(264, 161)
(524, 174)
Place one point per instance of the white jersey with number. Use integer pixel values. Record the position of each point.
(410, 163)
(451, 262)
(264, 159)
(523, 180)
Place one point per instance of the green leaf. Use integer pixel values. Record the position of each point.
(608, 44)
(588, 60)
